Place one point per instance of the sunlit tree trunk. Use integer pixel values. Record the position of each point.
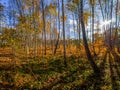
(93, 30)
(73, 23)
(79, 26)
(111, 15)
(64, 41)
(116, 40)
(57, 42)
(43, 15)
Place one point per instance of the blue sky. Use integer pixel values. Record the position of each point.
(5, 2)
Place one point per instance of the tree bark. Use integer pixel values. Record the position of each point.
(64, 42)
(90, 59)
(57, 42)
(43, 14)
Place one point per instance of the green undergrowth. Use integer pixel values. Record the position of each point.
(51, 74)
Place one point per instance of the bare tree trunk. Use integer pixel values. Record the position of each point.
(92, 63)
(64, 42)
(93, 37)
(73, 24)
(110, 37)
(43, 14)
(79, 26)
(116, 25)
(57, 42)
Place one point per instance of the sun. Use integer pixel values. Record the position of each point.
(106, 22)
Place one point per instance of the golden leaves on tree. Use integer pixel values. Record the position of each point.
(65, 18)
(92, 2)
(52, 10)
(86, 16)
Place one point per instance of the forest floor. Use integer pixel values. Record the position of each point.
(49, 73)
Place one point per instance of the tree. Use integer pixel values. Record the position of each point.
(1, 16)
(89, 56)
(57, 42)
(44, 26)
(92, 4)
(64, 42)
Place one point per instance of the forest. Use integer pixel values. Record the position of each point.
(59, 44)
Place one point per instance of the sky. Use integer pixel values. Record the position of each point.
(6, 3)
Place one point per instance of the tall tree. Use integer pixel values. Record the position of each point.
(89, 56)
(64, 42)
(44, 25)
(57, 42)
(1, 13)
(92, 4)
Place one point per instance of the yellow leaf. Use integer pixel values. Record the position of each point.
(65, 17)
(86, 16)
